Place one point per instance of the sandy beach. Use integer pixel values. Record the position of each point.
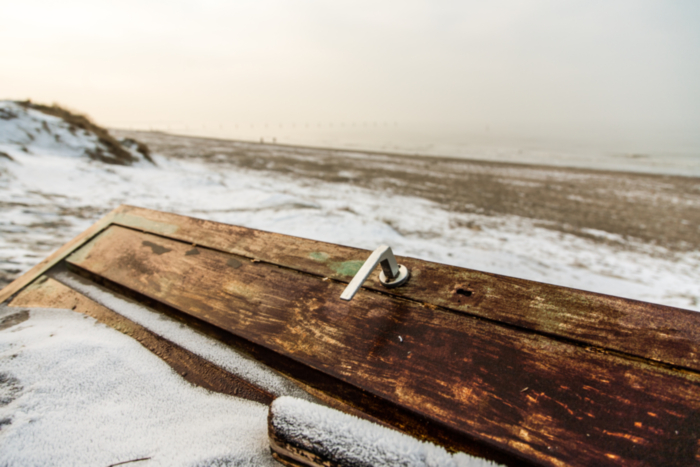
(621, 208)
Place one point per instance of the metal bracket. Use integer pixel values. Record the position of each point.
(392, 274)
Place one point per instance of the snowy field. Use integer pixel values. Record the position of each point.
(50, 191)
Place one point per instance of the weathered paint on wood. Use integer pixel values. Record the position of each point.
(48, 293)
(518, 392)
(661, 333)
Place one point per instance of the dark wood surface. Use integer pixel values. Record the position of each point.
(665, 334)
(48, 293)
(550, 401)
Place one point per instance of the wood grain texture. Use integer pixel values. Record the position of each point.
(661, 333)
(48, 293)
(295, 454)
(27, 278)
(287, 458)
(517, 392)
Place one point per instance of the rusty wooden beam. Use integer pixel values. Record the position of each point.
(489, 384)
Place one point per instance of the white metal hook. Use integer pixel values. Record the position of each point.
(392, 274)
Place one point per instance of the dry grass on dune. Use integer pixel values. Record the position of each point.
(116, 154)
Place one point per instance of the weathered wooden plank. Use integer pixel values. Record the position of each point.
(48, 293)
(666, 334)
(26, 278)
(657, 332)
(521, 393)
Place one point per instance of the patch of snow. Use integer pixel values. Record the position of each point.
(76, 392)
(30, 131)
(349, 440)
(604, 235)
(34, 132)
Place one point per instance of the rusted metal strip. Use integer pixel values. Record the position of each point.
(511, 390)
(665, 334)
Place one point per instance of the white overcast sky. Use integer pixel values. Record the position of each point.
(631, 63)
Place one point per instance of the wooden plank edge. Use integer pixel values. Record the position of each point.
(294, 447)
(28, 277)
(330, 401)
(290, 455)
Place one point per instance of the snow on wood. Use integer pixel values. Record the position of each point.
(75, 392)
(343, 439)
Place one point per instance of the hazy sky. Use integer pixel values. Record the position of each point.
(629, 63)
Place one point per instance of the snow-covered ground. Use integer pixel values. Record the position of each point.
(48, 196)
(50, 191)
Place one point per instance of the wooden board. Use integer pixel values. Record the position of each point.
(665, 334)
(474, 383)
